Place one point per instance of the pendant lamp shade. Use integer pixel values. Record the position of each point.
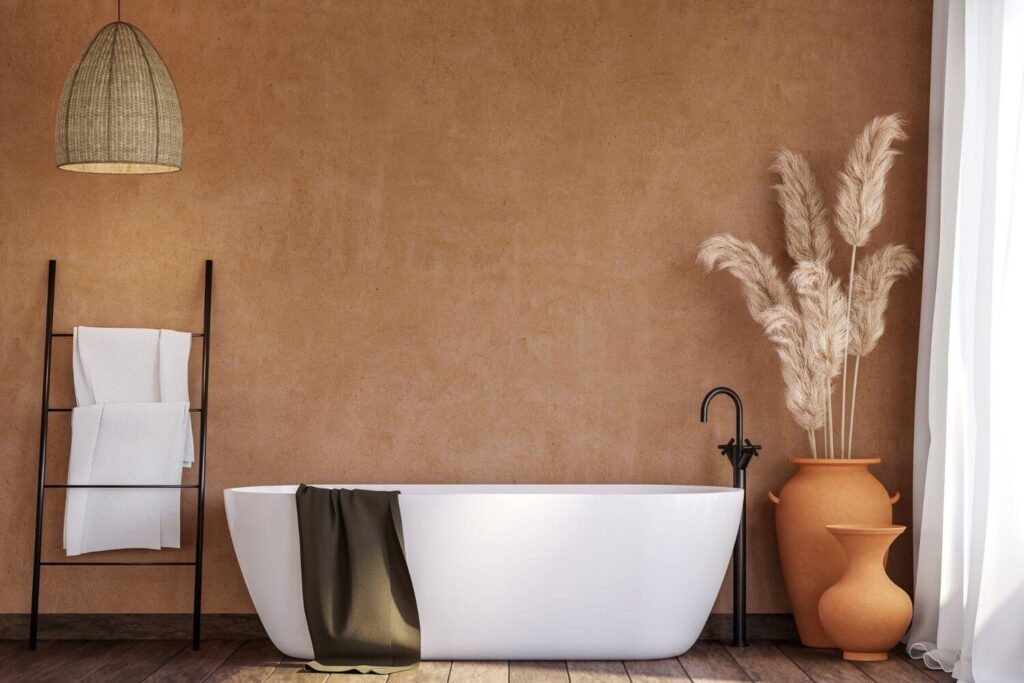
(119, 110)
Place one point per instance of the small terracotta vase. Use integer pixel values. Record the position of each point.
(822, 492)
(865, 613)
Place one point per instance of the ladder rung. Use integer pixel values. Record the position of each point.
(68, 410)
(118, 564)
(195, 335)
(120, 486)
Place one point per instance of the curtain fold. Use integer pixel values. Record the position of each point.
(969, 542)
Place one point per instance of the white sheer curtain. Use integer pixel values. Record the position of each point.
(968, 462)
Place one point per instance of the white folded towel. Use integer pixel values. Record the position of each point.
(125, 443)
(125, 365)
(131, 426)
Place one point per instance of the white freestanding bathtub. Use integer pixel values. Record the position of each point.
(521, 572)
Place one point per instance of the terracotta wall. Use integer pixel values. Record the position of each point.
(454, 242)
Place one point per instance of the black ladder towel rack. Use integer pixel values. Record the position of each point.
(200, 486)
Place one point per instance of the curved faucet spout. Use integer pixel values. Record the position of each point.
(735, 399)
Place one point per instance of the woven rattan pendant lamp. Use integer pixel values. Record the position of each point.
(119, 110)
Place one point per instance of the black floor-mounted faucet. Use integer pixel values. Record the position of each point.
(739, 451)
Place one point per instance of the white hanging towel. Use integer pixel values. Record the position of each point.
(127, 365)
(131, 387)
(125, 443)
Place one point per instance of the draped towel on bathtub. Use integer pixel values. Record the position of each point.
(356, 588)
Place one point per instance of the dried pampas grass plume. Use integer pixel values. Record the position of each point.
(805, 396)
(860, 200)
(823, 311)
(771, 306)
(805, 216)
(762, 285)
(875, 277)
(823, 307)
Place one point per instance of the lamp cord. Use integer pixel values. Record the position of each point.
(118, 11)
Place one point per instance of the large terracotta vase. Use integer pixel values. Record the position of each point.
(822, 492)
(865, 613)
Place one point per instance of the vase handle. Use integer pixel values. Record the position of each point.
(773, 498)
(895, 498)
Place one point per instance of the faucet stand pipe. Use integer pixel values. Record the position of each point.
(739, 451)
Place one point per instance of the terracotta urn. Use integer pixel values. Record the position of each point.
(865, 613)
(822, 492)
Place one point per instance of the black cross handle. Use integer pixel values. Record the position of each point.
(746, 453)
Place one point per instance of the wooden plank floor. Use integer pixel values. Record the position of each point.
(257, 661)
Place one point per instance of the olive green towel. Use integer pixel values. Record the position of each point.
(356, 589)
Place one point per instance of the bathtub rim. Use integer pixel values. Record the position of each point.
(506, 489)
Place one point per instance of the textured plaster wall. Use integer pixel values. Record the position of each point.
(454, 242)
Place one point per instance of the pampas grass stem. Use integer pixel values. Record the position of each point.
(830, 445)
(814, 444)
(846, 352)
(853, 404)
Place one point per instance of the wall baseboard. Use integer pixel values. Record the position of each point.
(759, 627)
(133, 626)
(248, 627)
